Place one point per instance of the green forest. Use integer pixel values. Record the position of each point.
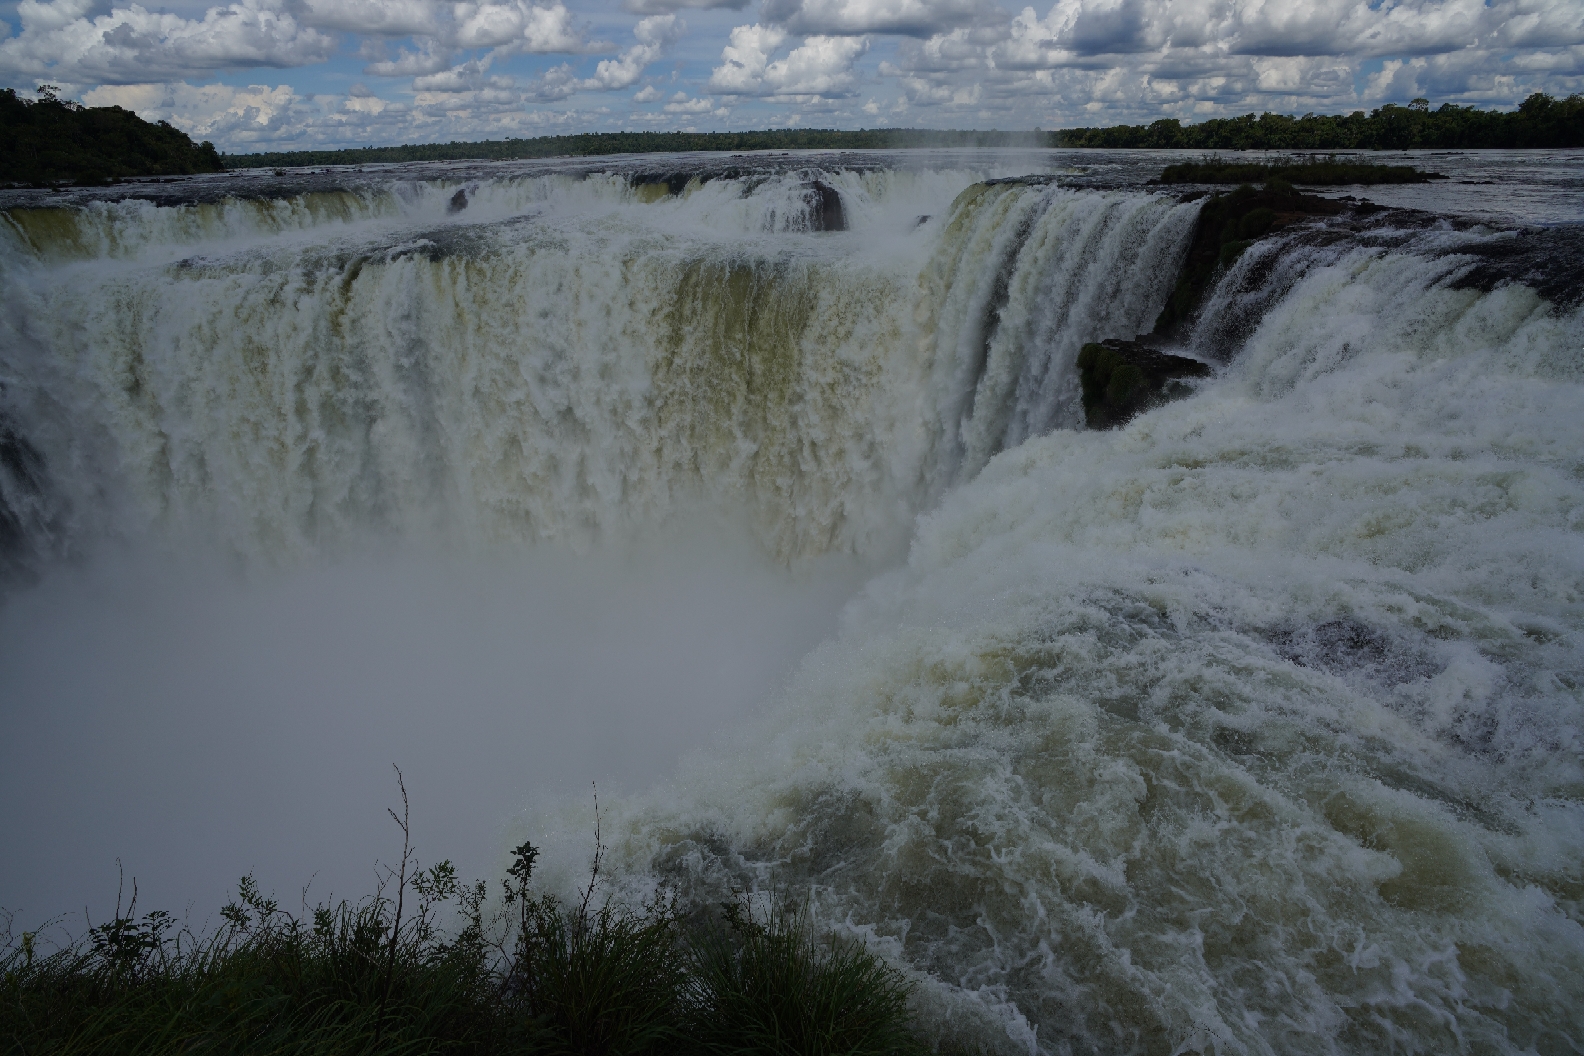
(51, 140)
(598, 143)
(1540, 121)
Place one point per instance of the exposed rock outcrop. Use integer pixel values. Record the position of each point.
(22, 482)
(1229, 224)
(825, 208)
(1122, 378)
(825, 211)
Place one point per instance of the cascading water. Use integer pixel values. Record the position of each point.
(563, 360)
(1253, 726)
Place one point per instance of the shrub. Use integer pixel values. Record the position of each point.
(525, 974)
(768, 987)
(590, 981)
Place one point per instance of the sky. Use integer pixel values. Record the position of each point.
(300, 74)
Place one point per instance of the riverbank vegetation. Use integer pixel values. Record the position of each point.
(52, 140)
(523, 973)
(1540, 122)
(596, 144)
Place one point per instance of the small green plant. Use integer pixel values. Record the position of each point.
(522, 973)
(591, 980)
(763, 984)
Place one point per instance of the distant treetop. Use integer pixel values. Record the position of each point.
(51, 140)
(1540, 121)
(594, 144)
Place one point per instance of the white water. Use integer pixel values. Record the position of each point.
(1250, 727)
(563, 361)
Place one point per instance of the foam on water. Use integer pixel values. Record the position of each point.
(1251, 727)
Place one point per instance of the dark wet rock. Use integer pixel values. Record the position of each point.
(459, 202)
(1549, 260)
(22, 483)
(825, 208)
(1122, 378)
(1314, 171)
(823, 202)
(674, 182)
(1348, 647)
(1228, 224)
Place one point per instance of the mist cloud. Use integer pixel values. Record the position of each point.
(197, 727)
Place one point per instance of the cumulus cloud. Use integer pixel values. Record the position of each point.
(233, 117)
(660, 7)
(472, 76)
(474, 103)
(468, 67)
(524, 25)
(517, 25)
(915, 18)
(654, 34)
(62, 40)
(743, 61)
(133, 45)
(1075, 29)
(820, 66)
(681, 104)
(430, 57)
(1138, 59)
(384, 18)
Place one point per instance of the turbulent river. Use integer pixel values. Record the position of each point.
(1253, 726)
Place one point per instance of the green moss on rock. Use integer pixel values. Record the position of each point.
(1122, 378)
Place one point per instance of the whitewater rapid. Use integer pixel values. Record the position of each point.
(1250, 727)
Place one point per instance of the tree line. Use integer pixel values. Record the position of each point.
(51, 140)
(1540, 121)
(594, 144)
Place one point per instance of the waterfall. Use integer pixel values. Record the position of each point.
(558, 359)
(1251, 726)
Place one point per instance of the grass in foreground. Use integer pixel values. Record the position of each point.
(1314, 173)
(525, 973)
